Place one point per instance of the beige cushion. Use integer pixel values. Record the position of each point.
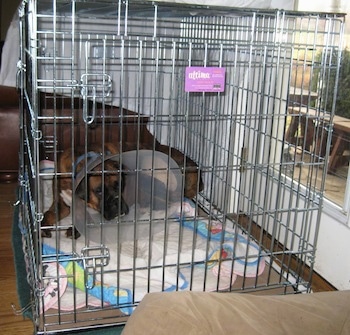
(189, 313)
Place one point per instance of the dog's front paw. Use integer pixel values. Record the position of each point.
(72, 234)
(46, 233)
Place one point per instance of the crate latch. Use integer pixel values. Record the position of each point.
(94, 88)
(94, 258)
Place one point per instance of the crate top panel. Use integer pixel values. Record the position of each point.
(169, 21)
(136, 8)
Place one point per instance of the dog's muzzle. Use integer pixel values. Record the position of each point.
(114, 206)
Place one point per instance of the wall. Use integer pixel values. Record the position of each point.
(333, 252)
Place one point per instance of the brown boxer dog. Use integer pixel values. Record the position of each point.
(114, 203)
(110, 203)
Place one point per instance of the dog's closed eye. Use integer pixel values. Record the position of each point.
(115, 189)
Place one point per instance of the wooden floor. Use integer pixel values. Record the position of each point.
(15, 324)
(9, 322)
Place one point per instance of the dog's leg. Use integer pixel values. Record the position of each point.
(66, 196)
(51, 217)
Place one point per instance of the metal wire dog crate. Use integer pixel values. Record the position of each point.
(234, 99)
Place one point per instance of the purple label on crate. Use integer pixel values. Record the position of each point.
(205, 79)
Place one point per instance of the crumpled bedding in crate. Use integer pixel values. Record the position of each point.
(188, 253)
(172, 265)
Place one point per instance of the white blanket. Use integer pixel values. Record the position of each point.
(185, 255)
(185, 252)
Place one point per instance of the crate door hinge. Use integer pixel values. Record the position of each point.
(93, 258)
(94, 88)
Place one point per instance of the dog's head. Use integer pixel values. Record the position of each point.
(104, 191)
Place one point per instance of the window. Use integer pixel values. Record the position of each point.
(310, 124)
